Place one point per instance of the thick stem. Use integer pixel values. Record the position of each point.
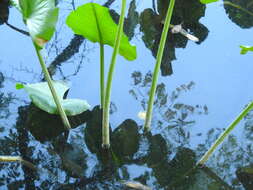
(101, 43)
(106, 110)
(52, 89)
(157, 66)
(102, 76)
(225, 134)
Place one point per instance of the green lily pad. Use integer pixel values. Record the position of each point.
(245, 49)
(208, 1)
(95, 23)
(40, 95)
(40, 16)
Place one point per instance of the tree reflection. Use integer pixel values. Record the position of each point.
(75, 160)
(169, 165)
(130, 146)
(171, 115)
(5, 100)
(4, 11)
(232, 161)
(131, 20)
(238, 15)
(187, 12)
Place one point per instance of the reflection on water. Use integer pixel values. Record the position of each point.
(162, 159)
(4, 11)
(186, 12)
(241, 13)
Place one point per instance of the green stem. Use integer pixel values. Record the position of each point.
(157, 66)
(101, 43)
(52, 89)
(102, 75)
(106, 110)
(225, 134)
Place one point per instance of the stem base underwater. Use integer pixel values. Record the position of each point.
(106, 109)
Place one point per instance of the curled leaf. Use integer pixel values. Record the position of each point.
(40, 16)
(41, 96)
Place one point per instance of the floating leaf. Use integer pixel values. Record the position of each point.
(40, 95)
(208, 1)
(40, 16)
(95, 23)
(245, 49)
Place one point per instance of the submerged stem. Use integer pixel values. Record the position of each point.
(225, 134)
(52, 89)
(106, 109)
(18, 159)
(101, 44)
(157, 66)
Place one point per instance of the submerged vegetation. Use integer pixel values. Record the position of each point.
(173, 165)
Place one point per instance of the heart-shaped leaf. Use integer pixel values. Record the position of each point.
(40, 16)
(95, 23)
(245, 49)
(40, 95)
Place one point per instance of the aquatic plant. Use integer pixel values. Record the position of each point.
(221, 138)
(157, 65)
(225, 133)
(40, 17)
(94, 22)
(245, 49)
(106, 110)
(40, 95)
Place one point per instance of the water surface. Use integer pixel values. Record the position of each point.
(202, 88)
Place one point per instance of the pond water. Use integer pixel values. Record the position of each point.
(202, 88)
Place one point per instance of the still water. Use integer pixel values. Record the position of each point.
(203, 86)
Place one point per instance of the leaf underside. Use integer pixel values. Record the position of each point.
(40, 95)
(40, 16)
